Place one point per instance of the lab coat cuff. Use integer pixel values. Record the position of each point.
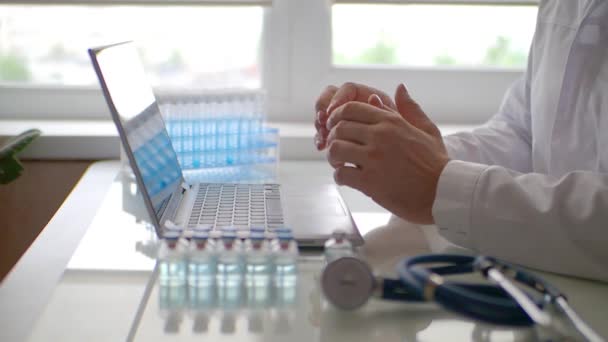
(452, 209)
(451, 145)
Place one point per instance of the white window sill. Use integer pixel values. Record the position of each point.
(93, 140)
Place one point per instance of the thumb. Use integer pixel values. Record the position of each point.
(411, 111)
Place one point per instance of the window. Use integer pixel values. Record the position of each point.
(457, 57)
(181, 46)
(463, 89)
(432, 35)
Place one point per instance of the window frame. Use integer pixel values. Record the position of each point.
(296, 66)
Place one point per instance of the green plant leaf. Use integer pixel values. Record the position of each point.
(18, 143)
(10, 169)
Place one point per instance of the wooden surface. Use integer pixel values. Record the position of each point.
(27, 204)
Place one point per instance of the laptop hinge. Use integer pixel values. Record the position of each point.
(185, 187)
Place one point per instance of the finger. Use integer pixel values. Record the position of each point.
(357, 112)
(319, 142)
(321, 107)
(321, 123)
(323, 116)
(320, 119)
(323, 133)
(411, 111)
(321, 137)
(350, 176)
(341, 152)
(349, 131)
(350, 91)
(325, 98)
(375, 101)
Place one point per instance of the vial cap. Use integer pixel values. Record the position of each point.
(285, 236)
(243, 234)
(200, 235)
(270, 235)
(283, 230)
(215, 234)
(228, 229)
(339, 235)
(203, 228)
(171, 235)
(257, 229)
(170, 226)
(257, 236)
(228, 235)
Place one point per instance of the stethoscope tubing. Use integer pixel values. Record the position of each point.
(504, 304)
(488, 303)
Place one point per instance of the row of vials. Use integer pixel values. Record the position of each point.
(225, 255)
(219, 273)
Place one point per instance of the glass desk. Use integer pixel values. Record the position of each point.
(109, 290)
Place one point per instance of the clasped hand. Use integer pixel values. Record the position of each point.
(391, 151)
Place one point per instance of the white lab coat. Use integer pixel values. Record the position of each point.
(531, 185)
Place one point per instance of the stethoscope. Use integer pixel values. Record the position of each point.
(349, 282)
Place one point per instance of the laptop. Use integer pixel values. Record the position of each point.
(171, 202)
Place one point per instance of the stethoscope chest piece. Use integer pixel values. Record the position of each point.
(347, 283)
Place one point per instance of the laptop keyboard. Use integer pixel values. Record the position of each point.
(241, 206)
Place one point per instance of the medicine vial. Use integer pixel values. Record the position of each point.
(286, 272)
(229, 279)
(172, 262)
(259, 268)
(230, 263)
(202, 268)
(338, 246)
(257, 254)
(202, 260)
(172, 281)
(285, 252)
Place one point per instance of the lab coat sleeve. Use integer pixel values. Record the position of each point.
(504, 140)
(545, 222)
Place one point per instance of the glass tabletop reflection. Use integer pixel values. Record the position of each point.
(111, 291)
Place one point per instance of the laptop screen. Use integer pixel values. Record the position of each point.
(139, 122)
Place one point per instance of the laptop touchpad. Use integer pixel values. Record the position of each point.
(316, 200)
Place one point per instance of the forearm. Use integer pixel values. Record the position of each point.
(504, 140)
(495, 143)
(555, 224)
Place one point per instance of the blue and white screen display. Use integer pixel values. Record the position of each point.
(141, 120)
